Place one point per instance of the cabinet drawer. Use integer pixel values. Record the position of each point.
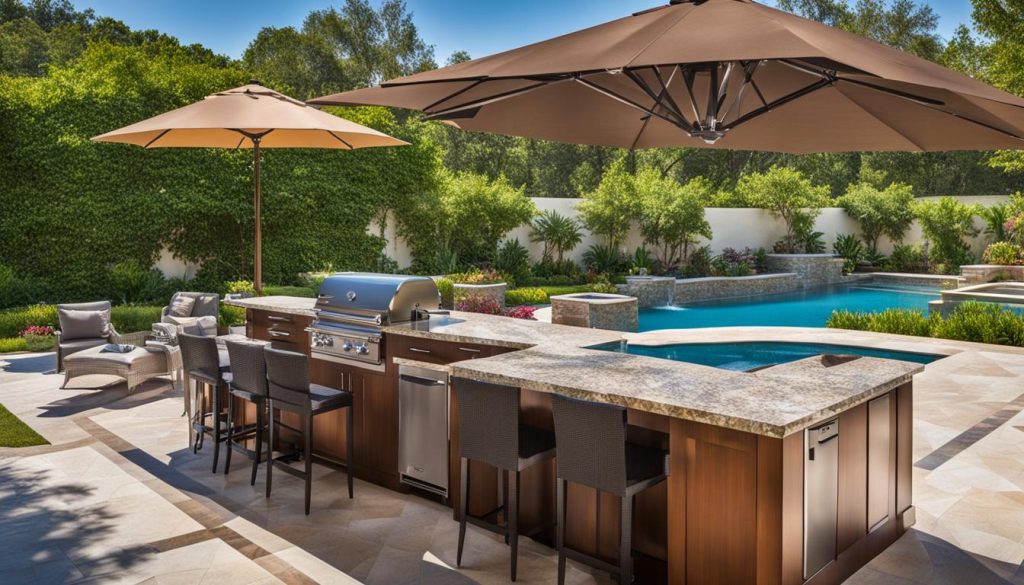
(286, 331)
(438, 352)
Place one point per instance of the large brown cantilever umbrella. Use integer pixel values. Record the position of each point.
(251, 116)
(716, 73)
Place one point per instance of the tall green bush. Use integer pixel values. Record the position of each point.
(946, 222)
(880, 212)
(672, 215)
(787, 194)
(609, 210)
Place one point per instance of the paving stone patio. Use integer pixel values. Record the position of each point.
(118, 497)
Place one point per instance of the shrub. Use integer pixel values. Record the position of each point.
(946, 222)
(526, 296)
(478, 304)
(12, 344)
(604, 259)
(700, 262)
(230, 316)
(133, 318)
(788, 195)
(848, 320)
(131, 282)
(671, 215)
(642, 261)
(880, 212)
(521, 312)
(906, 258)
(1002, 253)
(850, 249)
(558, 233)
(38, 337)
(970, 321)
(732, 262)
(14, 290)
(513, 260)
(244, 287)
(13, 321)
(555, 280)
(608, 210)
(446, 287)
(565, 272)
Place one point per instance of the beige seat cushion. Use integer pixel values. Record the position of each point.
(132, 358)
(83, 324)
(208, 324)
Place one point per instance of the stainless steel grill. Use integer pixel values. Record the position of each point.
(353, 307)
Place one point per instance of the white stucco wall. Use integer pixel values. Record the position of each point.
(731, 228)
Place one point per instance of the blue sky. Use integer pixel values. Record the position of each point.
(481, 27)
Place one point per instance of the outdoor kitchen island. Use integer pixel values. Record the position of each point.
(733, 508)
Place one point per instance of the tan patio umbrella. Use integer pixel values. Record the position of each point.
(251, 116)
(717, 73)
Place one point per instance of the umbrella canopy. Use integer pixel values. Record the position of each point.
(716, 73)
(251, 116)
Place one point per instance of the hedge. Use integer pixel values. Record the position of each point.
(541, 295)
(970, 321)
(73, 209)
(125, 318)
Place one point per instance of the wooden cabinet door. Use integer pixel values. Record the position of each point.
(377, 411)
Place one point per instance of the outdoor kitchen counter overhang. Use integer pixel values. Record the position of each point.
(775, 402)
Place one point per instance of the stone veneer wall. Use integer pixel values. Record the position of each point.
(650, 291)
(495, 292)
(595, 310)
(982, 273)
(688, 290)
(812, 269)
(937, 280)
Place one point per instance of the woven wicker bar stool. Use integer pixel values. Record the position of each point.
(204, 368)
(593, 451)
(289, 389)
(490, 432)
(248, 383)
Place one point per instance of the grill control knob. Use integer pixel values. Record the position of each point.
(347, 346)
(362, 349)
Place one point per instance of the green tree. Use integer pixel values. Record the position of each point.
(946, 222)
(672, 215)
(884, 212)
(559, 234)
(609, 210)
(787, 194)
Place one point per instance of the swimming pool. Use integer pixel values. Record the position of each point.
(809, 308)
(748, 355)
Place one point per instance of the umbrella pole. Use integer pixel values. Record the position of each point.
(257, 281)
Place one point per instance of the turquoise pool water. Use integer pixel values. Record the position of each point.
(809, 308)
(745, 356)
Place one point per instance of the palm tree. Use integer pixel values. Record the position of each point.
(558, 233)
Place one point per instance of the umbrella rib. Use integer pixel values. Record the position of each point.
(341, 140)
(910, 97)
(664, 89)
(157, 137)
(489, 100)
(450, 96)
(883, 122)
(779, 102)
(658, 98)
(626, 101)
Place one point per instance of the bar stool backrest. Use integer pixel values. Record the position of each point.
(591, 440)
(199, 357)
(248, 367)
(488, 422)
(287, 376)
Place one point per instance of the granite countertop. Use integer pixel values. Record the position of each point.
(279, 304)
(774, 402)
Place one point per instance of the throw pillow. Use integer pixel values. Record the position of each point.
(182, 307)
(83, 324)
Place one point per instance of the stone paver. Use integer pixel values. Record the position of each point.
(120, 498)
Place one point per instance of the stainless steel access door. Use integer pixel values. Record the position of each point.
(423, 428)
(821, 495)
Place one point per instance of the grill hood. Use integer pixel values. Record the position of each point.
(379, 298)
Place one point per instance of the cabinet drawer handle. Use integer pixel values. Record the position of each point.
(418, 350)
(469, 349)
(281, 319)
(279, 333)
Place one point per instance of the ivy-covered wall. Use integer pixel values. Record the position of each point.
(71, 209)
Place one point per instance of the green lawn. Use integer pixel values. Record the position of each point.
(14, 433)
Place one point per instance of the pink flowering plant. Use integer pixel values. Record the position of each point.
(488, 306)
(38, 337)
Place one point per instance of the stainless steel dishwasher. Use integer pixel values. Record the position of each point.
(423, 428)
(821, 495)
